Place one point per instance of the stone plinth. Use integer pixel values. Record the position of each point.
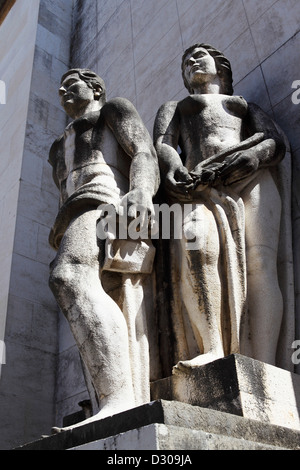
(233, 403)
(238, 385)
(164, 425)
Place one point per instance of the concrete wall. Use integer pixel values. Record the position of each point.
(136, 46)
(38, 54)
(15, 72)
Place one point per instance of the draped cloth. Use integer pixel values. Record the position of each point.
(216, 224)
(226, 207)
(228, 211)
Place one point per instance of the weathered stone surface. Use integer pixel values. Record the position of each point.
(162, 437)
(237, 385)
(221, 155)
(105, 158)
(180, 421)
(129, 256)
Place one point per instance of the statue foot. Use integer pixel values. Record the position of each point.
(202, 359)
(104, 413)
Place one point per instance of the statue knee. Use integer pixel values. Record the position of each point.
(60, 277)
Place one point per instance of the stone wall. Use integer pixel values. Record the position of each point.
(136, 46)
(38, 53)
(15, 71)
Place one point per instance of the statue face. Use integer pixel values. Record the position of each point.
(75, 94)
(199, 65)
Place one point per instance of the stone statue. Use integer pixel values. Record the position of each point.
(105, 157)
(219, 154)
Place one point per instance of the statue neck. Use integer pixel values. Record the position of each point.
(208, 87)
(91, 107)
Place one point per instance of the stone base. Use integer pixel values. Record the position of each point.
(238, 385)
(233, 403)
(164, 425)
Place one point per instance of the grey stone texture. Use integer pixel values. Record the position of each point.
(37, 53)
(136, 46)
(238, 385)
(255, 36)
(105, 157)
(165, 438)
(173, 425)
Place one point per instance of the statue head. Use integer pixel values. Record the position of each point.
(222, 65)
(81, 90)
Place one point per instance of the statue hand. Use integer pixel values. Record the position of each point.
(178, 183)
(205, 176)
(138, 203)
(238, 166)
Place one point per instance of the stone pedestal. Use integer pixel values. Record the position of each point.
(234, 403)
(163, 425)
(239, 385)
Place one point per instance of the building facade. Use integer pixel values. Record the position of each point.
(136, 47)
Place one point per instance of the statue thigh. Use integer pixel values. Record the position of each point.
(78, 255)
(200, 250)
(262, 204)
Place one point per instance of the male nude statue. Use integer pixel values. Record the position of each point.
(105, 156)
(228, 148)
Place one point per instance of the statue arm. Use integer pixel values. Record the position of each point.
(124, 121)
(272, 149)
(53, 158)
(268, 152)
(166, 137)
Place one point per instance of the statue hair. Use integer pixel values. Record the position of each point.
(88, 76)
(222, 64)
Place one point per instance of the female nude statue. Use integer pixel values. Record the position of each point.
(224, 171)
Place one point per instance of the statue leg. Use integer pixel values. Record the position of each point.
(97, 323)
(262, 213)
(200, 285)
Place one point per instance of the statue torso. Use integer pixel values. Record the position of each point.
(89, 157)
(209, 123)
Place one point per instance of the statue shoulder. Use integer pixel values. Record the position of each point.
(167, 119)
(168, 109)
(55, 149)
(118, 107)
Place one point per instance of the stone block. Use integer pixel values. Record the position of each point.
(279, 82)
(169, 47)
(119, 68)
(238, 385)
(241, 68)
(287, 117)
(171, 425)
(165, 438)
(70, 378)
(278, 23)
(205, 12)
(220, 27)
(256, 8)
(143, 13)
(28, 281)
(253, 89)
(161, 23)
(159, 89)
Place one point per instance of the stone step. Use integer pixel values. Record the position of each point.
(169, 420)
